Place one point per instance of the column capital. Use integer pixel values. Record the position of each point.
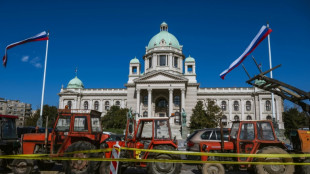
(170, 90)
(182, 89)
(138, 90)
(149, 90)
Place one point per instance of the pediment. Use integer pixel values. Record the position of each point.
(161, 76)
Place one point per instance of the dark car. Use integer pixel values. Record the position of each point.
(205, 135)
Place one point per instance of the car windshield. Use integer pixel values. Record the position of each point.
(63, 124)
(8, 128)
(234, 130)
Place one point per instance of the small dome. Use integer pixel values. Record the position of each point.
(75, 83)
(189, 59)
(164, 38)
(134, 60)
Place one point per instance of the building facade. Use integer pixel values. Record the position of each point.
(167, 85)
(15, 107)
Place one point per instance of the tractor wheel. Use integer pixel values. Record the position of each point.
(213, 168)
(80, 166)
(274, 169)
(167, 168)
(306, 168)
(22, 166)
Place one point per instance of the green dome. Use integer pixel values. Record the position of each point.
(134, 60)
(75, 83)
(164, 38)
(189, 59)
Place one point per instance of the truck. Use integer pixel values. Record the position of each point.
(74, 130)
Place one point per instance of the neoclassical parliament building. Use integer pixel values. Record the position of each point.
(168, 84)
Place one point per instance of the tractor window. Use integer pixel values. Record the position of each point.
(95, 125)
(161, 130)
(247, 131)
(264, 131)
(63, 124)
(80, 124)
(8, 128)
(234, 130)
(147, 130)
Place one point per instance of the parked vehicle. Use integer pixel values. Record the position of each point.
(204, 135)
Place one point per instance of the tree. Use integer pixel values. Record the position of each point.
(50, 111)
(115, 118)
(293, 119)
(205, 119)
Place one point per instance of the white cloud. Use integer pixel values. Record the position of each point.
(25, 58)
(35, 62)
(38, 65)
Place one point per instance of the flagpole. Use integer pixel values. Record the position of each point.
(40, 120)
(270, 65)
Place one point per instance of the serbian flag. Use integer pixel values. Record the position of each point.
(39, 37)
(261, 35)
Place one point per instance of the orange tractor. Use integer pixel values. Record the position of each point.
(74, 130)
(248, 137)
(149, 133)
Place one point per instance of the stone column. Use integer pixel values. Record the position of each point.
(182, 99)
(149, 103)
(138, 101)
(170, 101)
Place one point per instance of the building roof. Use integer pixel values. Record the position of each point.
(164, 38)
(134, 60)
(75, 83)
(189, 59)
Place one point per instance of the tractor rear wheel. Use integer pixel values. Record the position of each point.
(22, 166)
(213, 168)
(167, 168)
(274, 169)
(80, 166)
(306, 168)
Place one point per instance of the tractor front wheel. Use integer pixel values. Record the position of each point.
(80, 166)
(213, 168)
(22, 166)
(274, 169)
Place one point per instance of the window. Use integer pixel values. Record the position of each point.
(206, 135)
(95, 125)
(176, 62)
(80, 124)
(236, 118)
(134, 70)
(247, 131)
(161, 130)
(234, 130)
(145, 114)
(162, 103)
(248, 117)
(224, 108)
(236, 106)
(107, 105)
(269, 117)
(96, 105)
(264, 131)
(69, 104)
(8, 128)
(224, 120)
(248, 105)
(268, 105)
(85, 105)
(162, 60)
(150, 62)
(190, 68)
(145, 100)
(118, 103)
(63, 124)
(176, 100)
(177, 118)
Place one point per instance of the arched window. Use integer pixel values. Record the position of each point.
(224, 106)
(96, 105)
(107, 105)
(224, 120)
(85, 105)
(269, 117)
(268, 105)
(248, 105)
(176, 100)
(248, 117)
(236, 118)
(145, 100)
(118, 103)
(162, 103)
(145, 114)
(236, 106)
(69, 104)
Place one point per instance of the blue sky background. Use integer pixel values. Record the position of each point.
(101, 37)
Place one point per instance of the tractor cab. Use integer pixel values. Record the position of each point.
(8, 127)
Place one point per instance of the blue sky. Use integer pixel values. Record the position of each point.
(101, 37)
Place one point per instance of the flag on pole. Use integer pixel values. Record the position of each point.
(39, 37)
(261, 35)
